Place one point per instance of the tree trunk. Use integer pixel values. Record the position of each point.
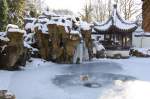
(146, 15)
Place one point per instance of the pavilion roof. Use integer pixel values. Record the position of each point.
(115, 24)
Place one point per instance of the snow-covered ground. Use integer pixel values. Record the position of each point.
(118, 79)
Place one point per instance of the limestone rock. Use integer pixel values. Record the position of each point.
(4, 94)
(13, 53)
(43, 44)
(86, 34)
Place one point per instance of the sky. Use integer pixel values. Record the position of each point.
(73, 5)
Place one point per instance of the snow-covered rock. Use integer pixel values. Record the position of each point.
(4, 38)
(85, 26)
(4, 94)
(12, 26)
(15, 30)
(98, 46)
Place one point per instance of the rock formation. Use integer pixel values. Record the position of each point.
(86, 34)
(13, 53)
(4, 94)
(58, 40)
(42, 40)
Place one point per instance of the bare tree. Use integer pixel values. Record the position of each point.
(63, 12)
(128, 8)
(99, 10)
(109, 7)
(87, 11)
(102, 9)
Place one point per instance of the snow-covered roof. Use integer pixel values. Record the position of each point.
(115, 21)
(140, 32)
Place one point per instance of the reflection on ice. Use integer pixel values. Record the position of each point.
(94, 67)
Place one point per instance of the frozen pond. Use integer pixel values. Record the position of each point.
(107, 79)
(99, 74)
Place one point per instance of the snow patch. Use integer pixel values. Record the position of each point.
(85, 26)
(128, 90)
(16, 30)
(4, 39)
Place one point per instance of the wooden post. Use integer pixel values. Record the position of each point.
(125, 40)
(122, 41)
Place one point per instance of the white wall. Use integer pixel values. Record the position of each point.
(146, 42)
(141, 42)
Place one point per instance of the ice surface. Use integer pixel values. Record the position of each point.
(117, 77)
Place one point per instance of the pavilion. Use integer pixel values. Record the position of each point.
(117, 32)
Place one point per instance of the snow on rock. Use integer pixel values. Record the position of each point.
(12, 26)
(128, 90)
(4, 39)
(5, 94)
(49, 13)
(29, 23)
(61, 21)
(29, 38)
(29, 46)
(29, 26)
(76, 33)
(43, 20)
(3, 34)
(145, 51)
(16, 30)
(42, 27)
(52, 22)
(98, 46)
(85, 26)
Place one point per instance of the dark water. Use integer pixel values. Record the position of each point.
(101, 73)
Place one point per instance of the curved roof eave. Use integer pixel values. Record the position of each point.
(115, 29)
(112, 21)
